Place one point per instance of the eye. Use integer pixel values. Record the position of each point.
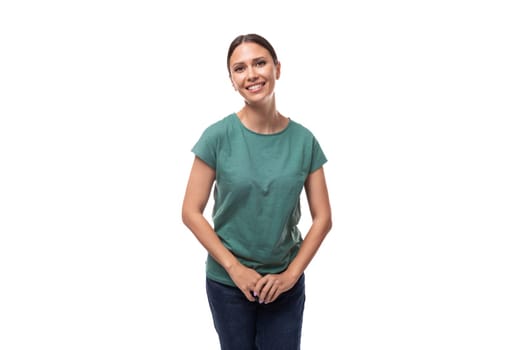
(260, 63)
(238, 69)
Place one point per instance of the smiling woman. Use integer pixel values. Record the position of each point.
(258, 162)
(254, 69)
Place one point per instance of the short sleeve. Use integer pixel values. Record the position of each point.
(206, 149)
(318, 156)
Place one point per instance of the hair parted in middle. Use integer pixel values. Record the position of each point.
(250, 38)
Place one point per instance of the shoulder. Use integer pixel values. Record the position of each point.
(219, 127)
(298, 129)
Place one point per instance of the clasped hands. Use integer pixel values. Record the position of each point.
(263, 289)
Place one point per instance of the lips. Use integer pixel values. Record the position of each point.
(255, 87)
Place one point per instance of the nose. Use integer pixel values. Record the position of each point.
(252, 74)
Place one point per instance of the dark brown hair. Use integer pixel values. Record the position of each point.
(250, 38)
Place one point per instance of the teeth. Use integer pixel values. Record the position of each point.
(254, 87)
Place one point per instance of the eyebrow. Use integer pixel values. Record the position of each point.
(253, 60)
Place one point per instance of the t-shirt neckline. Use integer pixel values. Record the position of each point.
(238, 120)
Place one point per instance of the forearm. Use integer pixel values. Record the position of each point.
(209, 239)
(309, 247)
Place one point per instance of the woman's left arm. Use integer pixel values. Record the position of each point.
(319, 204)
(271, 286)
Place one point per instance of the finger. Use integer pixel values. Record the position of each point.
(264, 291)
(258, 289)
(274, 294)
(269, 290)
(255, 295)
(249, 296)
(270, 295)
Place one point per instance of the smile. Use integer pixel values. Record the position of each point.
(255, 87)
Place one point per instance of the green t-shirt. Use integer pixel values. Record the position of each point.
(258, 182)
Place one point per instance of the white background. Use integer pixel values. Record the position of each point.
(418, 105)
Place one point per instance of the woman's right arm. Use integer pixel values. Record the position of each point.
(197, 194)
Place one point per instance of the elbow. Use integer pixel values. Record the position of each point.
(328, 224)
(326, 219)
(324, 224)
(186, 216)
(190, 215)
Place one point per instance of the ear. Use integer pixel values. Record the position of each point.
(277, 70)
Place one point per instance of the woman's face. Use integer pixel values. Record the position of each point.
(253, 72)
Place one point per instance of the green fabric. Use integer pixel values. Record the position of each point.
(259, 179)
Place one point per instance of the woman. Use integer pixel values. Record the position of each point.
(259, 161)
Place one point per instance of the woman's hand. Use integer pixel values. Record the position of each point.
(269, 287)
(245, 279)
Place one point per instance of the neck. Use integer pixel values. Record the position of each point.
(261, 119)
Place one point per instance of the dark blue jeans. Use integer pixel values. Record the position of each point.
(245, 325)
